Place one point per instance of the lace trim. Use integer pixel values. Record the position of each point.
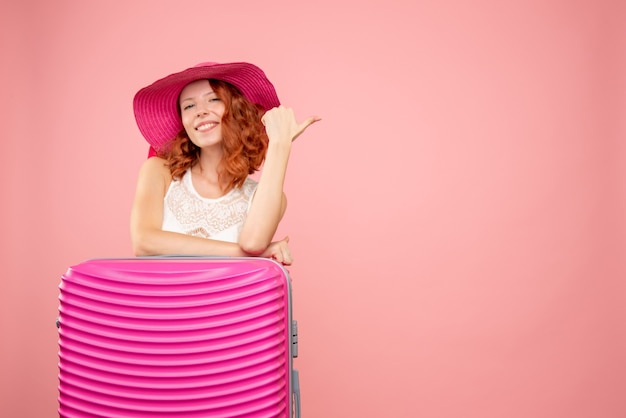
(208, 217)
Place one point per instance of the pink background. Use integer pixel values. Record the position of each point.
(457, 217)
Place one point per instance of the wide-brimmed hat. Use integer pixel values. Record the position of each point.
(156, 106)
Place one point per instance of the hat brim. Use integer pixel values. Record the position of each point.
(156, 106)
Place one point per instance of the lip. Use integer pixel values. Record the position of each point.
(205, 126)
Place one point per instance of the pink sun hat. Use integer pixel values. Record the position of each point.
(156, 106)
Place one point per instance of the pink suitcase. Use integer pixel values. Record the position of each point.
(180, 337)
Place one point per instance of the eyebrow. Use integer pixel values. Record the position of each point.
(204, 95)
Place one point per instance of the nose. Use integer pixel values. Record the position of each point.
(201, 109)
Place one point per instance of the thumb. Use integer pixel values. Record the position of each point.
(309, 121)
(304, 125)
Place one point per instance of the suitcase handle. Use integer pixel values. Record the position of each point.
(295, 384)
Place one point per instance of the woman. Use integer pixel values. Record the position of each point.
(210, 127)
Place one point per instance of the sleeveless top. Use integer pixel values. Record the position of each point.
(222, 218)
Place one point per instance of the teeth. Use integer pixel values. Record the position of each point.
(205, 126)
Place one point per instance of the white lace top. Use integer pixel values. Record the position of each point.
(187, 212)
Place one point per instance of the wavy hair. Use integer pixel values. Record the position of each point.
(244, 140)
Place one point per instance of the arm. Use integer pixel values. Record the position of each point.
(147, 235)
(269, 203)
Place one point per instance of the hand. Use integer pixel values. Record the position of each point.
(279, 251)
(281, 125)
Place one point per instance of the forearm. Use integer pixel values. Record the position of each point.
(269, 202)
(268, 205)
(159, 242)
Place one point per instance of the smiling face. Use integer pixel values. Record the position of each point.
(201, 113)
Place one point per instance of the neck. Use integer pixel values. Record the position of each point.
(208, 165)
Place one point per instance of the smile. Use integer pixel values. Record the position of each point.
(206, 126)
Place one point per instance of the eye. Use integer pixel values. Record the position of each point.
(187, 107)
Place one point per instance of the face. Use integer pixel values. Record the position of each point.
(201, 113)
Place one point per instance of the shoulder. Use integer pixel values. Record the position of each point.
(249, 185)
(155, 167)
(155, 171)
(250, 182)
(155, 164)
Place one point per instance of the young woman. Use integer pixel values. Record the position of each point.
(210, 127)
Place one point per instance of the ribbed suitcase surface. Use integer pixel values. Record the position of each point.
(175, 337)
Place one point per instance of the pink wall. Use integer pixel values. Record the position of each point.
(457, 217)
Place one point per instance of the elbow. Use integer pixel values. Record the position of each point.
(141, 246)
(253, 246)
(140, 250)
